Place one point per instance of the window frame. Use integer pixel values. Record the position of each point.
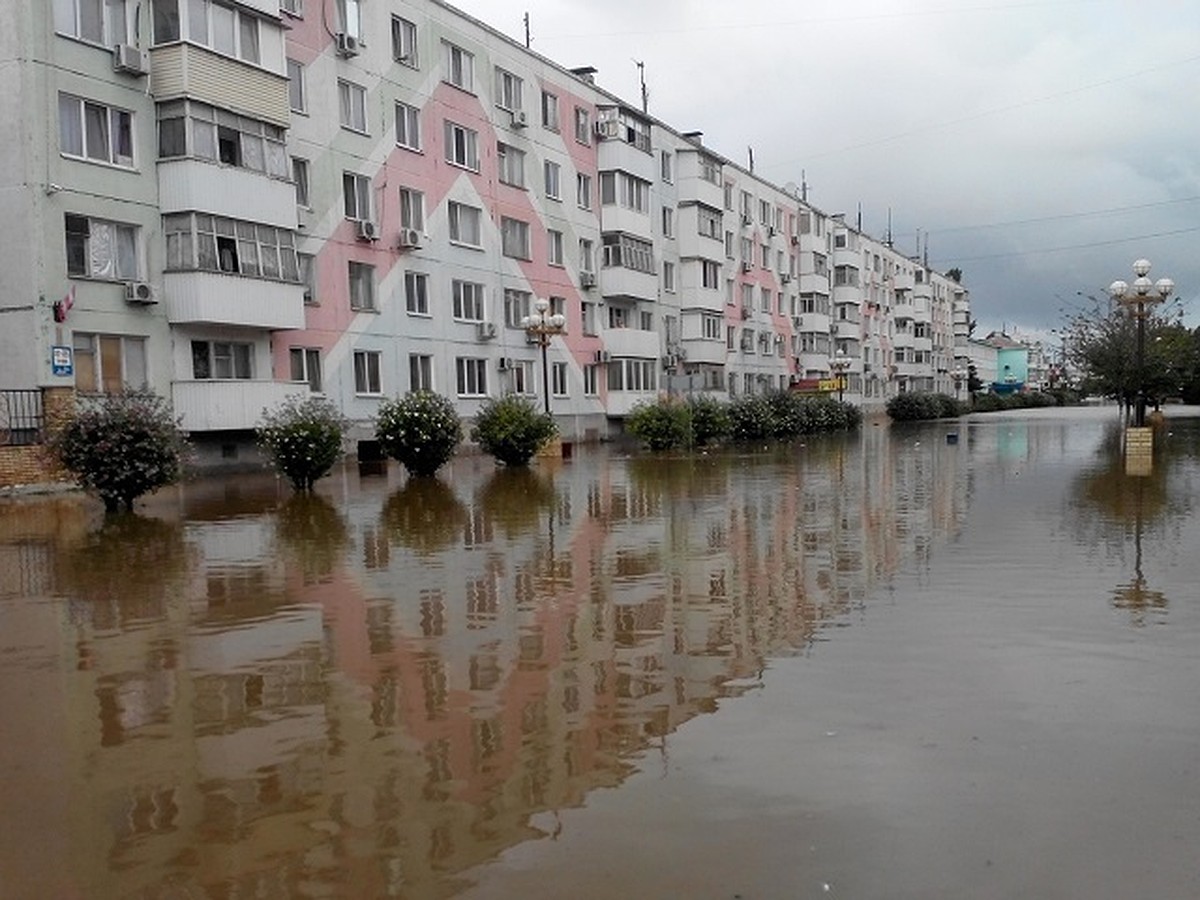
(462, 59)
(455, 222)
(468, 145)
(118, 127)
(404, 42)
(416, 294)
(352, 106)
(310, 367)
(362, 274)
(470, 372)
(410, 116)
(85, 252)
(368, 381)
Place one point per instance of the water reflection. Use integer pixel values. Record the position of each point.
(424, 515)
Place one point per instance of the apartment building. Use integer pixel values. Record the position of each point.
(233, 201)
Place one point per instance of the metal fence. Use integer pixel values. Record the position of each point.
(22, 417)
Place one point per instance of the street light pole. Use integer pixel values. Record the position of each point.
(541, 327)
(1136, 296)
(958, 375)
(840, 364)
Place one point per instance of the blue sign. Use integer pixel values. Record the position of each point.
(61, 361)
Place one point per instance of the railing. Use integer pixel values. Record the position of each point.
(21, 417)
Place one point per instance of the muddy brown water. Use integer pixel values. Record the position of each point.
(953, 660)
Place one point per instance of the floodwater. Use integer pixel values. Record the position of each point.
(953, 660)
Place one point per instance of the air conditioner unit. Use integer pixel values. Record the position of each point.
(669, 361)
(681, 354)
(746, 312)
(366, 230)
(770, 231)
(587, 279)
(785, 278)
(130, 59)
(608, 129)
(346, 44)
(485, 331)
(602, 356)
(746, 267)
(139, 292)
(505, 363)
(746, 220)
(409, 239)
(519, 118)
(795, 240)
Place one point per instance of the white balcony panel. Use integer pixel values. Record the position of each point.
(186, 185)
(693, 187)
(619, 281)
(228, 404)
(216, 298)
(621, 403)
(911, 369)
(614, 154)
(813, 323)
(922, 344)
(704, 350)
(902, 339)
(813, 284)
(632, 342)
(186, 70)
(630, 221)
(692, 243)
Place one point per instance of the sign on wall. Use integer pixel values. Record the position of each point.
(61, 361)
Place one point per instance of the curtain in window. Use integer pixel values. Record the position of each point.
(95, 119)
(102, 250)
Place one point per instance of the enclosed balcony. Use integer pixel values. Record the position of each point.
(217, 298)
(228, 404)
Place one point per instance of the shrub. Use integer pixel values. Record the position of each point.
(912, 406)
(302, 439)
(948, 407)
(751, 418)
(121, 446)
(664, 424)
(789, 414)
(421, 431)
(511, 429)
(988, 402)
(710, 419)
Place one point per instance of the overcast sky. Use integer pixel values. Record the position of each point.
(1043, 145)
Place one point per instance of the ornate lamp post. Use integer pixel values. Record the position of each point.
(958, 375)
(839, 363)
(1136, 296)
(541, 327)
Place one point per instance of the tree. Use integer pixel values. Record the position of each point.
(955, 275)
(421, 431)
(512, 429)
(302, 437)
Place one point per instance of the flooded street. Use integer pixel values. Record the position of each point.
(897, 664)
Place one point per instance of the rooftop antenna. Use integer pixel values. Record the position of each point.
(528, 39)
(750, 152)
(888, 239)
(642, 78)
(925, 259)
(858, 220)
(803, 186)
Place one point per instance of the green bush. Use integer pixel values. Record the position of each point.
(988, 402)
(913, 406)
(751, 418)
(421, 431)
(710, 419)
(512, 429)
(302, 439)
(665, 424)
(948, 407)
(789, 414)
(121, 446)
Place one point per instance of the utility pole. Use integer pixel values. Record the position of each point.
(641, 66)
(528, 39)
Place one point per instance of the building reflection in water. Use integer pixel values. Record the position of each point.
(367, 692)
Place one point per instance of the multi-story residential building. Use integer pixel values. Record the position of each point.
(232, 201)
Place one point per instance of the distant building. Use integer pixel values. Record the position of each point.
(1012, 363)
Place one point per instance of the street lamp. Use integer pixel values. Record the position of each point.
(958, 375)
(1136, 296)
(541, 327)
(840, 363)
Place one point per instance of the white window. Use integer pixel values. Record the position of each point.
(468, 300)
(509, 89)
(297, 95)
(558, 307)
(191, 128)
(220, 27)
(412, 209)
(591, 381)
(460, 67)
(552, 173)
(710, 327)
(366, 372)
(357, 193)
(623, 250)
(516, 306)
(710, 171)
(404, 42)
(668, 277)
(471, 376)
(549, 111)
(626, 190)
(103, 22)
(462, 146)
(709, 223)
(514, 238)
(416, 293)
(216, 244)
(222, 360)
(588, 311)
(293, 7)
(108, 363)
(558, 379)
(300, 179)
(554, 247)
(667, 166)
(93, 131)
(668, 222)
(510, 163)
(583, 190)
(408, 126)
(521, 377)
(464, 224)
(362, 286)
(100, 249)
(420, 372)
(583, 125)
(349, 17)
(308, 276)
(306, 366)
(710, 274)
(352, 104)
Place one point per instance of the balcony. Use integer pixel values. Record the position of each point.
(228, 404)
(186, 70)
(632, 342)
(217, 298)
(705, 350)
(187, 185)
(620, 281)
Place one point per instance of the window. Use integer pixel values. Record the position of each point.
(554, 247)
(514, 238)
(764, 212)
(632, 375)
(191, 128)
(217, 244)
(362, 286)
(729, 195)
(516, 307)
(308, 276)
(558, 379)
(471, 377)
(618, 317)
(666, 165)
(710, 274)
(420, 372)
(558, 307)
(356, 190)
(366, 372)
(408, 126)
(710, 171)
(468, 300)
(583, 125)
(293, 7)
(521, 376)
(668, 222)
(222, 360)
(352, 105)
(462, 146)
(588, 311)
(626, 190)
(412, 209)
(107, 363)
(464, 224)
(297, 95)
(668, 277)
(729, 245)
(708, 222)
(306, 366)
(92, 131)
(300, 178)
(591, 381)
(764, 254)
(710, 327)
(509, 89)
(416, 293)
(583, 190)
(404, 42)
(549, 111)
(100, 249)
(349, 17)
(103, 22)
(586, 255)
(460, 68)
(622, 250)
(510, 163)
(552, 176)
(219, 27)
(764, 304)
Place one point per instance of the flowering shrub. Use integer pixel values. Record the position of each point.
(421, 431)
(302, 438)
(710, 419)
(121, 446)
(664, 424)
(751, 418)
(915, 405)
(512, 429)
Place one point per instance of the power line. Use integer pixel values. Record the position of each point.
(1089, 245)
(1062, 216)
